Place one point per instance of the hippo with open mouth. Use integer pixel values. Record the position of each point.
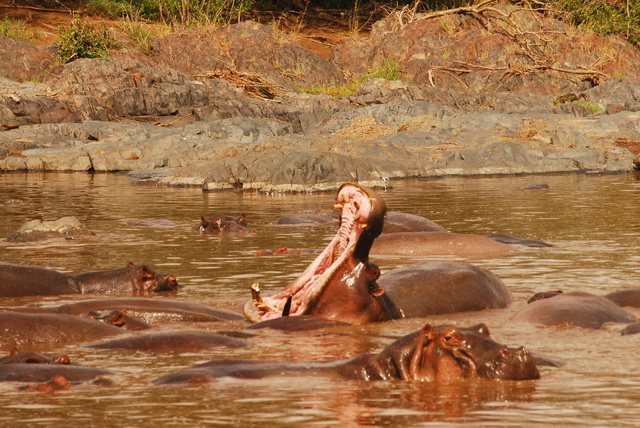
(340, 283)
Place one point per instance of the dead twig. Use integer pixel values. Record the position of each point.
(252, 83)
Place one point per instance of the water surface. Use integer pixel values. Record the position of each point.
(592, 220)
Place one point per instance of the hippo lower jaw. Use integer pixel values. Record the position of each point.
(355, 207)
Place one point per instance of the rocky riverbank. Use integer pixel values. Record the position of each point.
(223, 109)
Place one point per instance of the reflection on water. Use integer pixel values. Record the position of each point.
(592, 220)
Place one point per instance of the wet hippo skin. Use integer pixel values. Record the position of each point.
(21, 328)
(438, 243)
(20, 280)
(432, 288)
(574, 308)
(432, 354)
(148, 310)
(178, 342)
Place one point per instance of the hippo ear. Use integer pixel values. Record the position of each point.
(117, 319)
(377, 292)
(428, 333)
(482, 329)
(147, 274)
(130, 264)
(14, 351)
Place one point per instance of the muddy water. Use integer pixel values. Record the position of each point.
(592, 220)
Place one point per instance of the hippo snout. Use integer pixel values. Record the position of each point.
(167, 283)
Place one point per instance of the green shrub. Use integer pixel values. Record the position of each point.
(17, 30)
(174, 12)
(140, 36)
(388, 69)
(603, 18)
(84, 40)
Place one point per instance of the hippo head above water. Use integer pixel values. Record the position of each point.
(448, 353)
(340, 283)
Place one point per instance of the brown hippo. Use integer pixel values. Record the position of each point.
(625, 297)
(177, 342)
(438, 243)
(119, 319)
(222, 223)
(46, 372)
(20, 280)
(439, 287)
(19, 329)
(148, 310)
(17, 357)
(395, 222)
(574, 308)
(428, 355)
(340, 283)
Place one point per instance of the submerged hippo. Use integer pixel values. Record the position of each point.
(629, 297)
(340, 283)
(574, 308)
(222, 223)
(26, 357)
(20, 280)
(177, 342)
(119, 319)
(450, 287)
(148, 310)
(432, 354)
(46, 372)
(19, 329)
(396, 222)
(438, 243)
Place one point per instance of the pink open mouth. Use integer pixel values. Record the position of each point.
(355, 207)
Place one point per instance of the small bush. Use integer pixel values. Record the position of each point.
(603, 18)
(388, 69)
(174, 12)
(84, 40)
(140, 36)
(17, 30)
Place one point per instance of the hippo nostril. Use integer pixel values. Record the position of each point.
(504, 352)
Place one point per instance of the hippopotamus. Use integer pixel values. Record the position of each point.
(20, 328)
(450, 287)
(119, 319)
(26, 357)
(431, 354)
(46, 372)
(625, 297)
(20, 280)
(396, 222)
(178, 342)
(575, 308)
(341, 282)
(633, 328)
(438, 243)
(222, 223)
(148, 310)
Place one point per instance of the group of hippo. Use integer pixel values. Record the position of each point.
(340, 286)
